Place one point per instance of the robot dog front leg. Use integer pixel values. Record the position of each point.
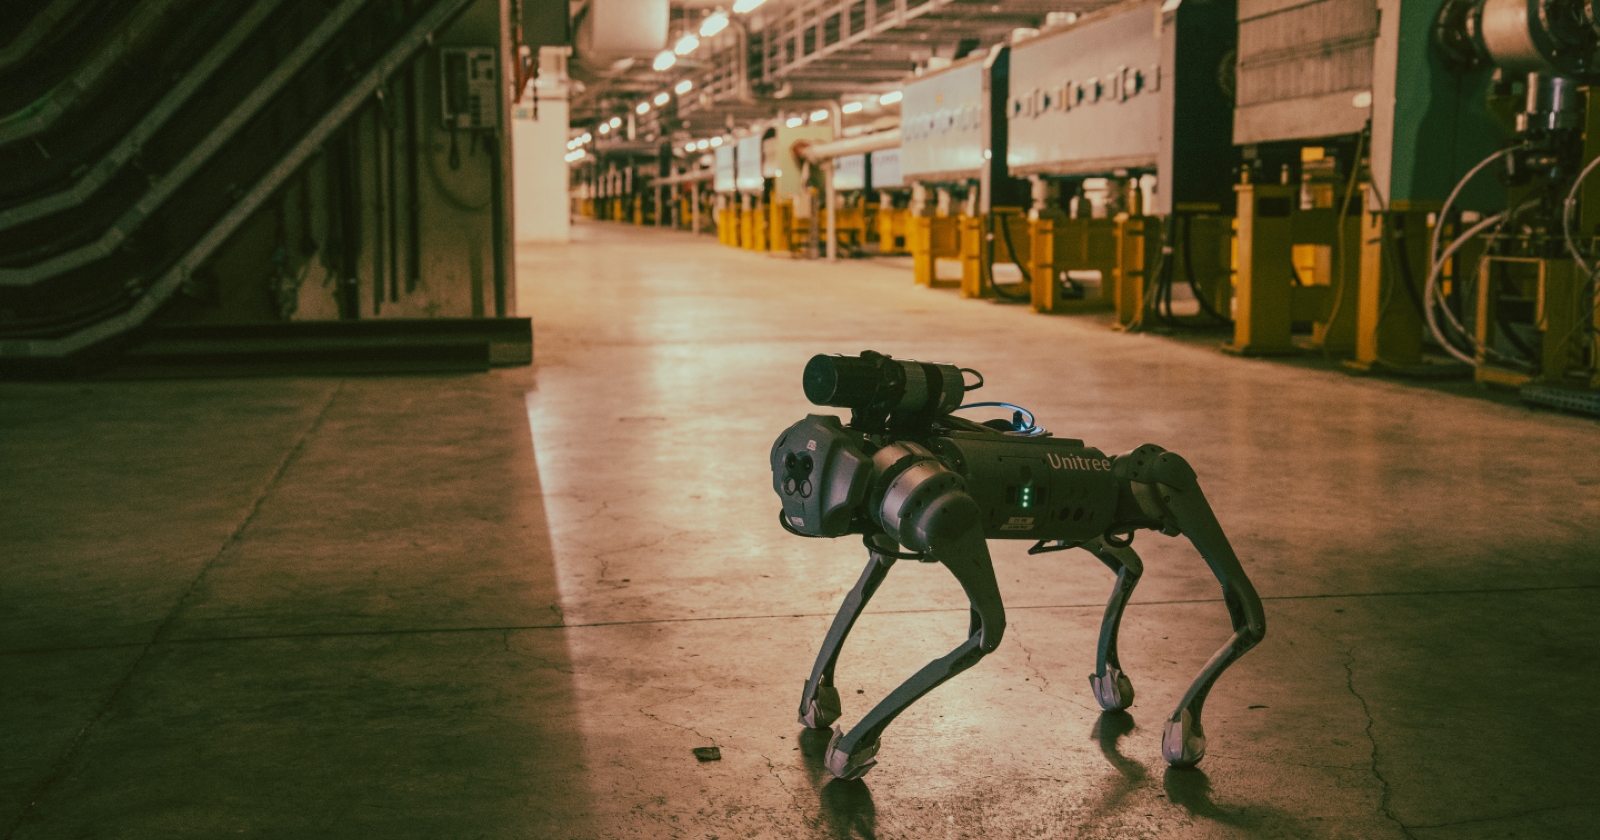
(819, 703)
(851, 754)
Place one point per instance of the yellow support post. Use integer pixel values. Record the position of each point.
(1138, 253)
(1264, 289)
(973, 255)
(933, 238)
(1388, 327)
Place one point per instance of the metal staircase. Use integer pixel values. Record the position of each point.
(131, 166)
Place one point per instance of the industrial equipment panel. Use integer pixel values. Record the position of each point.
(1135, 86)
(748, 163)
(1305, 68)
(886, 169)
(726, 179)
(850, 172)
(943, 124)
(1087, 99)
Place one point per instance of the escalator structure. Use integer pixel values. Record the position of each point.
(185, 165)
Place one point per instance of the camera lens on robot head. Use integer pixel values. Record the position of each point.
(883, 391)
(843, 381)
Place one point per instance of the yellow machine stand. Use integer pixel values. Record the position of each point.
(894, 230)
(851, 228)
(1059, 245)
(933, 238)
(1279, 245)
(1554, 286)
(638, 210)
(759, 227)
(747, 228)
(978, 252)
(728, 225)
(1388, 327)
(1138, 254)
(780, 221)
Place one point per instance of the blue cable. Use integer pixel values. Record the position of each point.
(1030, 429)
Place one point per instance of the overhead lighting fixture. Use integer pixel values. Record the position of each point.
(890, 98)
(851, 107)
(683, 87)
(714, 24)
(702, 145)
(615, 122)
(642, 108)
(605, 128)
(663, 98)
(586, 137)
(664, 60)
(819, 116)
(746, 6)
(687, 44)
(688, 147)
(794, 122)
(715, 142)
(575, 156)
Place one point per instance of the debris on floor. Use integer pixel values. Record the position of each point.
(708, 753)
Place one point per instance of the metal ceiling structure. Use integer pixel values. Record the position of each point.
(792, 55)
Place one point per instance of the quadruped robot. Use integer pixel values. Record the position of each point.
(907, 473)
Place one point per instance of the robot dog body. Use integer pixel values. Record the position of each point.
(907, 473)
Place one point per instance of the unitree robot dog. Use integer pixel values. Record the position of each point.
(906, 473)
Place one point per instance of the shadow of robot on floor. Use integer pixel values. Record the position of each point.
(846, 810)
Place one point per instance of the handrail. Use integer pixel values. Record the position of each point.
(168, 184)
(43, 113)
(36, 30)
(101, 172)
(172, 278)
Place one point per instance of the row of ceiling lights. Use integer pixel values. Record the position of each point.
(794, 122)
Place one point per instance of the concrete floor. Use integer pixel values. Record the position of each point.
(380, 608)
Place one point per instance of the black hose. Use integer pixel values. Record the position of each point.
(1188, 269)
(1005, 231)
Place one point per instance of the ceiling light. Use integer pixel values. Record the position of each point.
(743, 6)
(683, 87)
(664, 60)
(714, 24)
(663, 98)
(605, 128)
(642, 107)
(615, 121)
(573, 157)
(851, 107)
(702, 145)
(819, 116)
(890, 98)
(688, 147)
(795, 122)
(686, 44)
(715, 142)
(586, 137)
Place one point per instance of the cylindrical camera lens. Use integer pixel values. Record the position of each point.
(842, 381)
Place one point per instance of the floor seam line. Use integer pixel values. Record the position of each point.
(424, 631)
(71, 751)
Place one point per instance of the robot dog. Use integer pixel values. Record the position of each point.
(907, 473)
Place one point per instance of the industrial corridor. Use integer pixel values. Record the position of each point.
(515, 604)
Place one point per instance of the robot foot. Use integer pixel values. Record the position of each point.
(823, 709)
(1183, 743)
(852, 765)
(1113, 689)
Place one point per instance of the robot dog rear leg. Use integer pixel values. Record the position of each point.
(1112, 688)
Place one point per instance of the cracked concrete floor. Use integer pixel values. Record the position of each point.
(511, 604)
